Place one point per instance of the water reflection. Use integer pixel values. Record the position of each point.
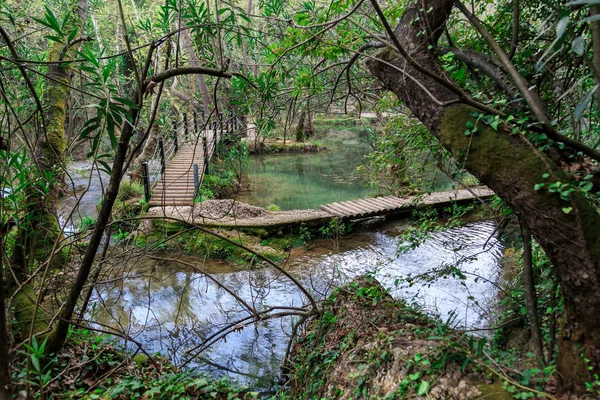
(173, 309)
(305, 181)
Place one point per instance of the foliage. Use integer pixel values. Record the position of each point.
(344, 352)
(273, 207)
(131, 376)
(225, 173)
(87, 223)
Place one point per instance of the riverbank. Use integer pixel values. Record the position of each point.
(368, 345)
(276, 146)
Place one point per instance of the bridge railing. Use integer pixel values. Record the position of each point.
(217, 129)
(188, 128)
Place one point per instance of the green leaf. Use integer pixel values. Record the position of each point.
(54, 38)
(561, 26)
(51, 21)
(415, 376)
(538, 186)
(578, 45)
(105, 167)
(36, 363)
(583, 103)
(448, 56)
(567, 210)
(127, 102)
(423, 388)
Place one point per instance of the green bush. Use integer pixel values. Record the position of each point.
(129, 190)
(273, 207)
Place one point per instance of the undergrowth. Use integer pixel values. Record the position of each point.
(97, 366)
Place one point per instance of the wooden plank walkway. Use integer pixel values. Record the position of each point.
(388, 205)
(176, 186)
(275, 220)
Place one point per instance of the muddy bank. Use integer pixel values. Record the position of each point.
(368, 345)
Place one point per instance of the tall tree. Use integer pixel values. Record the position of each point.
(38, 237)
(567, 229)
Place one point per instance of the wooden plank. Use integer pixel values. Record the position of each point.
(365, 205)
(389, 204)
(375, 205)
(348, 212)
(358, 210)
(331, 211)
(394, 204)
(366, 209)
(397, 200)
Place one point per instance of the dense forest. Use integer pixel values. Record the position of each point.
(110, 96)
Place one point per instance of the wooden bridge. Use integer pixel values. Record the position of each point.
(176, 171)
(390, 205)
(179, 171)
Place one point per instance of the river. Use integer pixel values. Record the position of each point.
(171, 309)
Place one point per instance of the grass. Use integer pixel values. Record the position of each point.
(273, 207)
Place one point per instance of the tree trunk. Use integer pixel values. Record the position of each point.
(41, 230)
(58, 337)
(510, 166)
(5, 379)
(300, 128)
(531, 299)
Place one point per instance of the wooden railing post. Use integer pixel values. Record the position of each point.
(196, 181)
(215, 137)
(175, 134)
(205, 158)
(195, 123)
(163, 162)
(185, 127)
(146, 178)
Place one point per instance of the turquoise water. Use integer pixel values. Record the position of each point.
(307, 180)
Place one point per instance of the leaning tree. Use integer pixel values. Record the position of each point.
(502, 156)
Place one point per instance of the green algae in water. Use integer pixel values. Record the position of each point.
(307, 180)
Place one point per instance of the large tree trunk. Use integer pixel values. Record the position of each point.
(300, 135)
(40, 230)
(510, 166)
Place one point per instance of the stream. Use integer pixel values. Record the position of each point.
(171, 309)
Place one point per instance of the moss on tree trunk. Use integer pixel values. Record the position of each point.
(568, 230)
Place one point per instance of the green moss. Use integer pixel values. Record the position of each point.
(140, 360)
(260, 232)
(24, 305)
(200, 244)
(284, 243)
